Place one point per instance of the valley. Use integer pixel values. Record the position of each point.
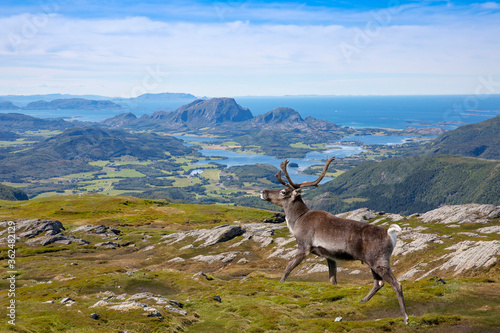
(130, 227)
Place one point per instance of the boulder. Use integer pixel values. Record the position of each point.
(108, 245)
(29, 228)
(361, 214)
(101, 230)
(40, 232)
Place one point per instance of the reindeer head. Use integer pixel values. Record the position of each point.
(292, 191)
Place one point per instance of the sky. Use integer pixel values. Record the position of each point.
(249, 48)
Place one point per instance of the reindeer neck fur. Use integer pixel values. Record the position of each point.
(294, 210)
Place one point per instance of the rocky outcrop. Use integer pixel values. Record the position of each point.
(127, 303)
(39, 232)
(415, 241)
(223, 257)
(470, 213)
(361, 214)
(467, 255)
(100, 230)
(208, 237)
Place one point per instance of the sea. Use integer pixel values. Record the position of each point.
(447, 111)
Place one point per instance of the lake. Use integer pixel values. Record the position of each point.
(312, 158)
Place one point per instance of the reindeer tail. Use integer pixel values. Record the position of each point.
(393, 230)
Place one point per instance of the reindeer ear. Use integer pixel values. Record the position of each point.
(296, 193)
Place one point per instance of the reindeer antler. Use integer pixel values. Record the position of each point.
(291, 184)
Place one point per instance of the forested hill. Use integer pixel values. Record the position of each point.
(475, 140)
(410, 185)
(12, 193)
(70, 152)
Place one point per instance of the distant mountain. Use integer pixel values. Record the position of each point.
(21, 122)
(202, 113)
(5, 105)
(121, 120)
(475, 140)
(73, 104)
(273, 131)
(70, 152)
(197, 114)
(155, 102)
(411, 185)
(278, 116)
(23, 100)
(12, 193)
(288, 124)
(157, 99)
(161, 97)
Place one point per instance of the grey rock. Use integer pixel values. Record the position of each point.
(29, 228)
(418, 241)
(361, 214)
(66, 300)
(60, 238)
(101, 230)
(209, 237)
(41, 232)
(469, 213)
(152, 312)
(222, 257)
(108, 245)
(95, 316)
(175, 310)
(490, 230)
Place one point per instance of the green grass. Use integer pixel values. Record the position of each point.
(253, 300)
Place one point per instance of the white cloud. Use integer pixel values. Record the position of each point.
(387, 53)
(489, 5)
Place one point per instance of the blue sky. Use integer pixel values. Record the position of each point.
(238, 48)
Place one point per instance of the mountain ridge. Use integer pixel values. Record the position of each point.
(481, 140)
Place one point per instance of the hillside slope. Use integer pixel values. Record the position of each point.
(70, 152)
(474, 140)
(12, 193)
(411, 185)
(106, 264)
(20, 122)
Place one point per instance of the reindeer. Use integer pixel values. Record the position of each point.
(332, 237)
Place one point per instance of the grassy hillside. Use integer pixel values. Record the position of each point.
(411, 185)
(475, 140)
(239, 289)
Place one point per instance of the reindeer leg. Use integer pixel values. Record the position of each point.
(332, 270)
(386, 274)
(299, 256)
(377, 284)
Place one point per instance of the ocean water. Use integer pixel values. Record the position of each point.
(448, 111)
(354, 111)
